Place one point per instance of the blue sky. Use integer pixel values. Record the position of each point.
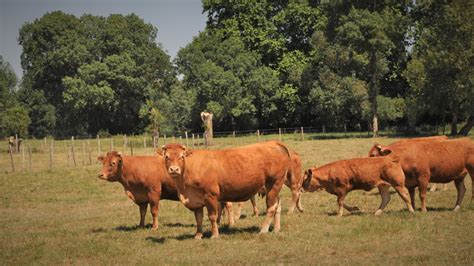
(178, 21)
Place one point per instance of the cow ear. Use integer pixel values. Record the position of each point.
(101, 158)
(188, 153)
(119, 155)
(385, 151)
(161, 152)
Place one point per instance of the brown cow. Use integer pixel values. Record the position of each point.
(437, 162)
(205, 177)
(341, 177)
(144, 179)
(375, 150)
(294, 181)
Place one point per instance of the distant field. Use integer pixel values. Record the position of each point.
(69, 216)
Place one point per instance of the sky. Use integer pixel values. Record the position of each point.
(177, 21)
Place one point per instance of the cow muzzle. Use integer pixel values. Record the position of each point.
(102, 176)
(174, 170)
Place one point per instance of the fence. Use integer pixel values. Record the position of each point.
(47, 154)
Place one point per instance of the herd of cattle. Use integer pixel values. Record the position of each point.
(215, 178)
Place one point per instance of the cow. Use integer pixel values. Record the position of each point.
(294, 181)
(144, 179)
(375, 150)
(205, 177)
(437, 162)
(341, 177)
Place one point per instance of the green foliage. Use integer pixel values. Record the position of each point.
(94, 70)
(41, 113)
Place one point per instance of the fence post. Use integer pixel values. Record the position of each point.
(16, 144)
(174, 140)
(279, 133)
(144, 144)
(89, 151)
(51, 155)
(131, 148)
(11, 157)
(164, 139)
(124, 142)
(98, 146)
(29, 157)
(192, 137)
(73, 151)
(198, 144)
(186, 135)
(302, 134)
(111, 143)
(324, 129)
(233, 136)
(258, 135)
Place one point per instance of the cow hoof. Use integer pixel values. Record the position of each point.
(457, 208)
(154, 228)
(214, 236)
(378, 212)
(198, 236)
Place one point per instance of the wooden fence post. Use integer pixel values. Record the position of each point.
(16, 144)
(174, 140)
(10, 151)
(198, 143)
(29, 157)
(124, 142)
(258, 135)
(89, 151)
(233, 136)
(131, 148)
(98, 146)
(279, 134)
(192, 135)
(144, 144)
(164, 139)
(186, 135)
(302, 134)
(73, 151)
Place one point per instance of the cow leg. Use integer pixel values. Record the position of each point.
(340, 203)
(230, 213)
(277, 217)
(272, 199)
(142, 207)
(461, 188)
(238, 210)
(154, 207)
(212, 209)
(404, 194)
(220, 212)
(412, 196)
(385, 194)
(295, 195)
(433, 188)
(198, 215)
(423, 188)
(254, 206)
(298, 204)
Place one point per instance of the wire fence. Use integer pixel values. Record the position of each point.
(32, 155)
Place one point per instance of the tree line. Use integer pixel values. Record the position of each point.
(257, 64)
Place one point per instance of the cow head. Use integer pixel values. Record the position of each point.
(311, 180)
(379, 150)
(111, 166)
(174, 155)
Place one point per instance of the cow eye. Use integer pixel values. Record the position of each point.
(112, 164)
(167, 157)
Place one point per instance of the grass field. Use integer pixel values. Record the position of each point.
(69, 216)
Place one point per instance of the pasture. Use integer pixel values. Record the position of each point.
(68, 216)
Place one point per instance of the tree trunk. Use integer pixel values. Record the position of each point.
(375, 126)
(454, 123)
(467, 127)
(208, 133)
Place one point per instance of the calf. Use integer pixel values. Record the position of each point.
(341, 177)
(205, 177)
(437, 162)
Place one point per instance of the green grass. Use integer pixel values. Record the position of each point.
(68, 216)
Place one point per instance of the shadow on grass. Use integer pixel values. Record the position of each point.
(127, 228)
(226, 230)
(178, 225)
(438, 209)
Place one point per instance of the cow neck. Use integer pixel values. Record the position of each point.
(122, 173)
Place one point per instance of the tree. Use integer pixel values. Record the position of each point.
(442, 57)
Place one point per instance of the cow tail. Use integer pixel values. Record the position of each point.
(289, 171)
